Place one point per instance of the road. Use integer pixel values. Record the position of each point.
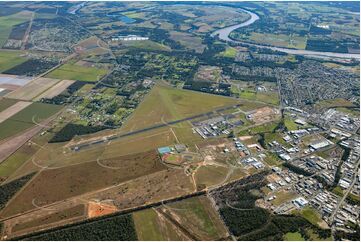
(340, 203)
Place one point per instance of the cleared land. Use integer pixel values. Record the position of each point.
(55, 90)
(10, 111)
(33, 89)
(52, 218)
(74, 180)
(187, 40)
(197, 216)
(77, 72)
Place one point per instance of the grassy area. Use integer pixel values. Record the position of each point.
(311, 215)
(26, 117)
(267, 97)
(146, 45)
(210, 175)
(24, 153)
(11, 164)
(264, 128)
(337, 102)
(351, 111)
(7, 23)
(282, 40)
(9, 59)
(198, 216)
(147, 226)
(282, 197)
(188, 40)
(55, 217)
(172, 104)
(296, 236)
(269, 137)
(76, 72)
(290, 124)
(6, 102)
(230, 52)
(353, 198)
(272, 159)
(338, 191)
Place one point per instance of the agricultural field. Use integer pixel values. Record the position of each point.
(6, 103)
(7, 23)
(27, 118)
(33, 89)
(10, 58)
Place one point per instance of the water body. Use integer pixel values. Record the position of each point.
(223, 34)
(74, 9)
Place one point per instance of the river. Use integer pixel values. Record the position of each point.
(223, 34)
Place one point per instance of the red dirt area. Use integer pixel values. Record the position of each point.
(96, 209)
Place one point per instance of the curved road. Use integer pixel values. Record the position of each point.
(223, 34)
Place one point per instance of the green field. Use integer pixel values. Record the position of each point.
(290, 124)
(230, 52)
(264, 128)
(267, 97)
(351, 111)
(146, 45)
(7, 23)
(147, 226)
(11, 164)
(165, 103)
(338, 191)
(199, 217)
(296, 236)
(76, 72)
(9, 59)
(24, 119)
(272, 159)
(311, 215)
(6, 102)
(269, 137)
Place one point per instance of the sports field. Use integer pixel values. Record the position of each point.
(77, 72)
